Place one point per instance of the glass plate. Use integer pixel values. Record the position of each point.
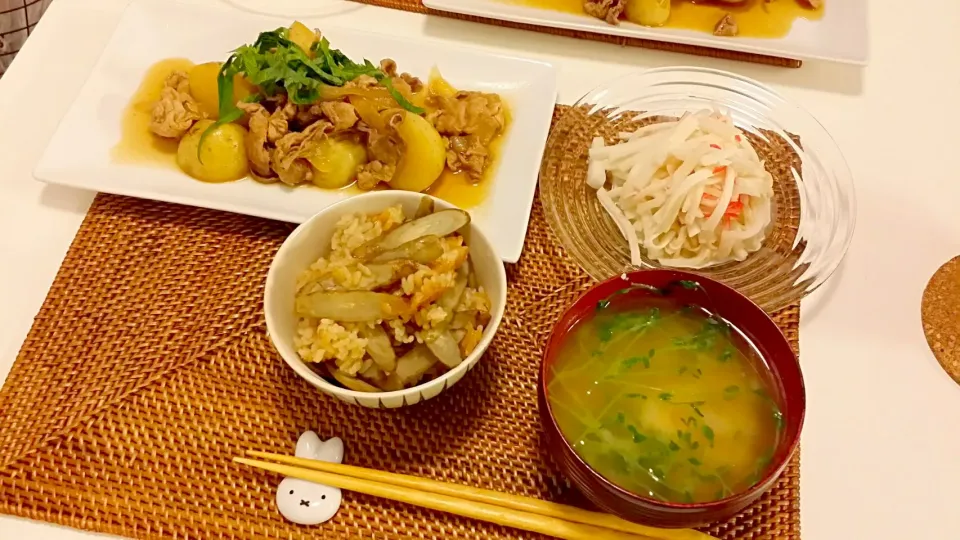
(814, 207)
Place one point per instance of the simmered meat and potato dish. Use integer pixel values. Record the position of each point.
(727, 18)
(290, 109)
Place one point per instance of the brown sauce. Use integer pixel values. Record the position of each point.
(756, 18)
(139, 145)
(458, 189)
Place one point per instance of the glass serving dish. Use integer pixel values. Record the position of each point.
(814, 207)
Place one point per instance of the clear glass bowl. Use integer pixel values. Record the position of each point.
(814, 207)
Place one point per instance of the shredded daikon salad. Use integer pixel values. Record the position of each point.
(692, 193)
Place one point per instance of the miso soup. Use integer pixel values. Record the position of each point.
(666, 401)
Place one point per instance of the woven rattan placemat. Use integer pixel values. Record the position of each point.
(418, 7)
(148, 368)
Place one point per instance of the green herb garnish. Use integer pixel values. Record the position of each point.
(695, 462)
(708, 433)
(628, 322)
(674, 446)
(731, 392)
(274, 64)
(666, 396)
(687, 437)
(705, 338)
(634, 360)
(637, 436)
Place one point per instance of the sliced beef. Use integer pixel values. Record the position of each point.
(176, 111)
(607, 10)
(340, 113)
(258, 151)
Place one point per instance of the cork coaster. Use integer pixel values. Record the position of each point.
(939, 313)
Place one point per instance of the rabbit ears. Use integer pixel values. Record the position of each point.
(311, 447)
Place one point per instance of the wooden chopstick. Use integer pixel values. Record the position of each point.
(486, 512)
(607, 524)
(516, 502)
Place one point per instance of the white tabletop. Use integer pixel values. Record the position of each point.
(881, 445)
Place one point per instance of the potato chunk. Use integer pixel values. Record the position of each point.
(223, 157)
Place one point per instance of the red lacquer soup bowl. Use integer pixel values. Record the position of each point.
(783, 375)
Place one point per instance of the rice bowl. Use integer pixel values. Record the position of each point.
(315, 259)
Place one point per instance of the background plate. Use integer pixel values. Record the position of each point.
(840, 36)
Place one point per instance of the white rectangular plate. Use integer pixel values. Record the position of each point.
(150, 30)
(840, 36)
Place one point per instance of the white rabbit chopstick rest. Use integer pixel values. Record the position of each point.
(308, 503)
